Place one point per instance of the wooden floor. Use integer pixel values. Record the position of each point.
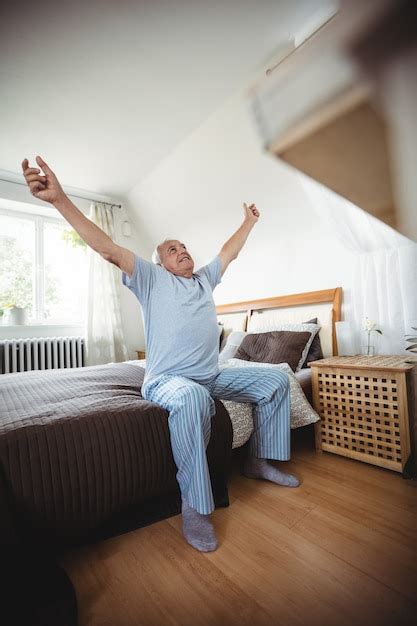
(340, 549)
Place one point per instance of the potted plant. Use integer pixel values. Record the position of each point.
(15, 315)
(413, 348)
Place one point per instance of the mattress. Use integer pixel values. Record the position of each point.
(81, 451)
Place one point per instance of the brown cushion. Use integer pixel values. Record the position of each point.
(315, 353)
(275, 346)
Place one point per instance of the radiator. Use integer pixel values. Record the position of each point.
(21, 355)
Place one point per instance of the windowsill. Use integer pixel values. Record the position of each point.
(39, 325)
(40, 330)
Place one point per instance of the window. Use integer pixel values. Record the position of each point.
(43, 265)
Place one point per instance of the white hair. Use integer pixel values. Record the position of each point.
(156, 258)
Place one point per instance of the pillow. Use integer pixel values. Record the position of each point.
(235, 339)
(220, 328)
(232, 344)
(289, 344)
(315, 353)
(295, 327)
(276, 346)
(302, 413)
(241, 416)
(231, 322)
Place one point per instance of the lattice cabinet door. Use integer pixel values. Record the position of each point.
(363, 412)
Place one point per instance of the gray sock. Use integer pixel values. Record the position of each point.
(198, 529)
(260, 468)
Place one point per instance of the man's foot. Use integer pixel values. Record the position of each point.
(198, 529)
(261, 469)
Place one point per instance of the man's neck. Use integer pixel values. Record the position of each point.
(185, 274)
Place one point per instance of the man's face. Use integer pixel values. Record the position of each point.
(175, 258)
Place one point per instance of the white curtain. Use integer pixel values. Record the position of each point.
(384, 268)
(105, 342)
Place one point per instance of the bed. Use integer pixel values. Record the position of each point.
(82, 454)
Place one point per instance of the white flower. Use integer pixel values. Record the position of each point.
(369, 325)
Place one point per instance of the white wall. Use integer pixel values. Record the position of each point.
(307, 238)
(196, 195)
(130, 311)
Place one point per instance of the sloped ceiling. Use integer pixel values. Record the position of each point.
(105, 90)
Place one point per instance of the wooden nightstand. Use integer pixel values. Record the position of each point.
(141, 354)
(362, 402)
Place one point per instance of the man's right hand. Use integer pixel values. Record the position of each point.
(47, 187)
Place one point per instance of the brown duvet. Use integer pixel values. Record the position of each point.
(84, 456)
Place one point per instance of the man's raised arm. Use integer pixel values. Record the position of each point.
(48, 189)
(233, 246)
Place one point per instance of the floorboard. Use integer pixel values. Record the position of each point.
(339, 550)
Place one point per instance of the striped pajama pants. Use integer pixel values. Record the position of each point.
(191, 407)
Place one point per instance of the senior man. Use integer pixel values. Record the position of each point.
(182, 371)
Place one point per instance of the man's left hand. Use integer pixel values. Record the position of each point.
(251, 212)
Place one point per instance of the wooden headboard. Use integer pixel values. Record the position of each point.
(248, 307)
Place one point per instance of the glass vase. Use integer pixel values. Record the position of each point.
(368, 349)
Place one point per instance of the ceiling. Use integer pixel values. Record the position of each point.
(105, 90)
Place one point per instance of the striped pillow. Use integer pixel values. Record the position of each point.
(277, 346)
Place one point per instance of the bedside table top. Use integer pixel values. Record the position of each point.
(380, 362)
